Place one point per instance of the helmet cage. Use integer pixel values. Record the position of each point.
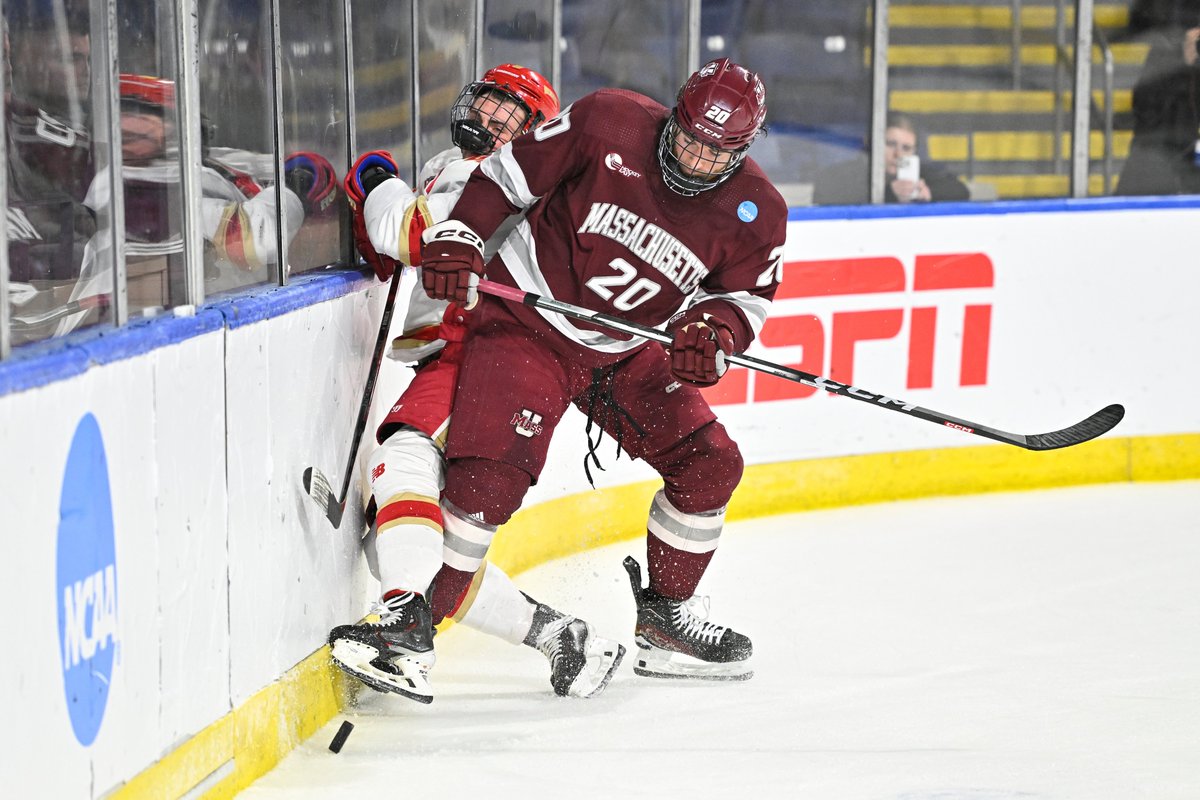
(701, 177)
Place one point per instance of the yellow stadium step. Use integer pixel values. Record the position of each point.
(994, 102)
(1023, 146)
(996, 17)
(1017, 187)
(986, 55)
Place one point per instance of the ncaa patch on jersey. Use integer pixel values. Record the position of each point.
(747, 211)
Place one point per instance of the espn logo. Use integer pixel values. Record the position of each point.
(946, 332)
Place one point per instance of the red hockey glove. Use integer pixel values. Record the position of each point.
(701, 343)
(311, 177)
(451, 262)
(384, 266)
(368, 171)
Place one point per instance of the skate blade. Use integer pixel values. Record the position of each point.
(654, 662)
(354, 658)
(590, 683)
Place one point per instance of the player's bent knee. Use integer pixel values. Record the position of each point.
(702, 470)
(483, 486)
(408, 461)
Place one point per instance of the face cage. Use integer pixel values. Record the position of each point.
(672, 171)
(468, 133)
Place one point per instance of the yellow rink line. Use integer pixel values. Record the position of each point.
(996, 17)
(1018, 146)
(231, 753)
(987, 55)
(999, 101)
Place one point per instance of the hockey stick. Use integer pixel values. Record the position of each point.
(1097, 424)
(315, 483)
(72, 307)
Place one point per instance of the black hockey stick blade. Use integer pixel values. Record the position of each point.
(318, 488)
(1097, 424)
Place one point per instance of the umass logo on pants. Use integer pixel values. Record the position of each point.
(526, 423)
(87, 582)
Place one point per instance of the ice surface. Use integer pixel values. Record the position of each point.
(1035, 645)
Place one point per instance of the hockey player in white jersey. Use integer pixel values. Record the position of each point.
(426, 572)
(237, 204)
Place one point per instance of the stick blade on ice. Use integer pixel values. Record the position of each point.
(318, 488)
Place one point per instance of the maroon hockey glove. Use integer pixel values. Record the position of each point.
(311, 177)
(451, 262)
(701, 343)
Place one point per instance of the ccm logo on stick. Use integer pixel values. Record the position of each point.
(828, 341)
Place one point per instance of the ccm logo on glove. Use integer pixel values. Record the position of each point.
(451, 262)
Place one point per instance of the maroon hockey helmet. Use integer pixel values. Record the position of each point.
(720, 109)
(531, 91)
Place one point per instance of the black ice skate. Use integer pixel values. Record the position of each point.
(394, 654)
(581, 663)
(673, 642)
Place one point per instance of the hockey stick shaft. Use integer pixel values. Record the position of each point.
(364, 408)
(1095, 425)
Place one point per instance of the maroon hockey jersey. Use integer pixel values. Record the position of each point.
(603, 230)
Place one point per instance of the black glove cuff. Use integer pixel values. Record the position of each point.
(373, 176)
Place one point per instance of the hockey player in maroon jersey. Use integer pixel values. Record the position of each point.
(406, 470)
(635, 210)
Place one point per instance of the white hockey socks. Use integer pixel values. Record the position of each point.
(495, 606)
(406, 479)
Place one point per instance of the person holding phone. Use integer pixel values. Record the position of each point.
(906, 179)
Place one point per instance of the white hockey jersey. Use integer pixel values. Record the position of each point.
(395, 217)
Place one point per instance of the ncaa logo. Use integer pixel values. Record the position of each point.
(87, 581)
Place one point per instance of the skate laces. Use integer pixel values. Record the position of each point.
(550, 641)
(391, 610)
(691, 617)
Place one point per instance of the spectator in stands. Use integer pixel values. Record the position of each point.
(848, 182)
(1164, 156)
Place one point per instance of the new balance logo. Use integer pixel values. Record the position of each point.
(527, 423)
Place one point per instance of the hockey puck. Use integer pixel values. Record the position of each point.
(341, 736)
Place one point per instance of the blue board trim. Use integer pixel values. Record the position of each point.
(55, 360)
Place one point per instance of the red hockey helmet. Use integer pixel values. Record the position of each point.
(532, 93)
(146, 91)
(720, 109)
